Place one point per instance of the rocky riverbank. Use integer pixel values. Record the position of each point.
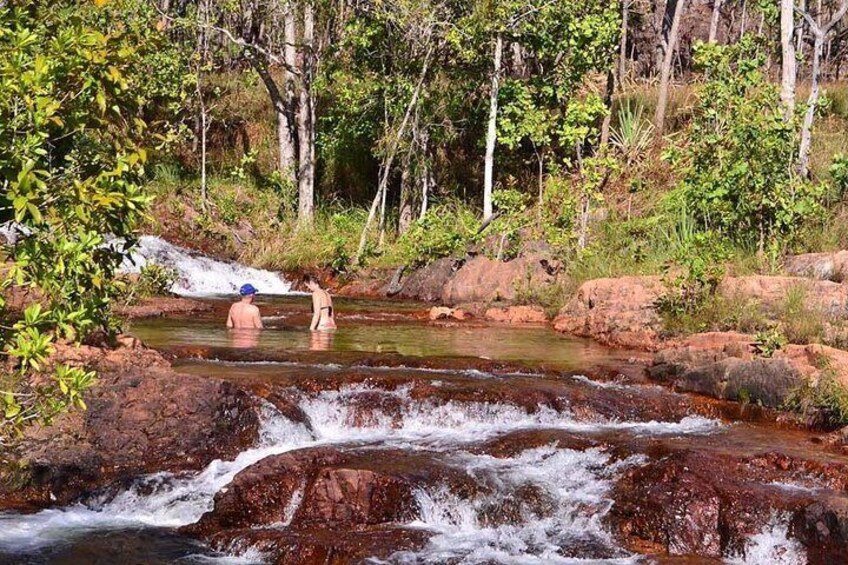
(622, 312)
(142, 417)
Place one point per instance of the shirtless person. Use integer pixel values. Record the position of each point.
(323, 318)
(244, 314)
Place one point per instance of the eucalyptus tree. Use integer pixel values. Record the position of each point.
(668, 58)
(820, 32)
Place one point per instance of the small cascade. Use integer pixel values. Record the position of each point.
(198, 275)
(536, 512)
(772, 545)
(546, 504)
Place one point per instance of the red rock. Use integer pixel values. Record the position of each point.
(517, 315)
(680, 501)
(142, 417)
(618, 312)
(486, 280)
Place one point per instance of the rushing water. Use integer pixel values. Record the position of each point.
(198, 275)
(565, 523)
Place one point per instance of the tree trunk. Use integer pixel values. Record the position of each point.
(608, 95)
(306, 169)
(384, 178)
(714, 21)
(406, 186)
(820, 33)
(659, 118)
(288, 149)
(426, 175)
(492, 131)
(787, 47)
(622, 47)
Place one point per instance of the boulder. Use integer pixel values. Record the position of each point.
(142, 417)
(445, 313)
(486, 280)
(822, 266)
(723, 365)
(426, 284)
(517, 315)
(679, 501)
(618, 312)
(326, 488)
(771, 292)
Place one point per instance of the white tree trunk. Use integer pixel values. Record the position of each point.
(286, 123)
(426, 175)
(820, 33)
(787, 47)
(665, 77)
(306, 168)
(492, 131)
(714, 21)
(387, 167)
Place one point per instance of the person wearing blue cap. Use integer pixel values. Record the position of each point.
(244, 314)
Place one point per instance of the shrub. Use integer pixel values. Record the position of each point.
(739, 176)
(823, 403)
(694, 275)
(445, 230)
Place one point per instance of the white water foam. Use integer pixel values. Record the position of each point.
(432, 425)
(166, 500)
(771, 546)
(158, 500)
(199, 275)
(561, 522)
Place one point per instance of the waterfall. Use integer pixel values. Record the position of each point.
(198, 275)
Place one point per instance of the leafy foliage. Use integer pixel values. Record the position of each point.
(446, 229)
(74, 84)
(738, 178)
(694, 274)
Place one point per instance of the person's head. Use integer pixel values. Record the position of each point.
(248, 292)
(311, 282)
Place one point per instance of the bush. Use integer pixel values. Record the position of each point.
(739, 176)
(823, 403)
(694, 275)
(445, 230)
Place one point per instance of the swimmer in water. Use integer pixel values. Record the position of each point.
(244, 314)
(323, 318)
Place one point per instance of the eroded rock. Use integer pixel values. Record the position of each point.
(618, 312)
(142, 417)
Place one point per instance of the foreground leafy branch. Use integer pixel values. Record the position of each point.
(75, 100)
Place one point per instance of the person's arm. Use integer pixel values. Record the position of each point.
(230, 318)
(316, 311)
(257, 319)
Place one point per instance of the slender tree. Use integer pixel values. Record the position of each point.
(820, 34)
(665, 77)
(787, 48)
(492, 127)
(714, 21)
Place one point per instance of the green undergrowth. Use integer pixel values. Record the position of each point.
(823, 402)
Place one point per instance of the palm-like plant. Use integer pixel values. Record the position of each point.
(634, 132)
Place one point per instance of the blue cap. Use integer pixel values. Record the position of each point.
(247, 290)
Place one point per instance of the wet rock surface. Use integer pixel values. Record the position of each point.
(679, 501)
(141, 417)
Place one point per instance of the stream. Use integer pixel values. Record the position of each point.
(540, 424)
